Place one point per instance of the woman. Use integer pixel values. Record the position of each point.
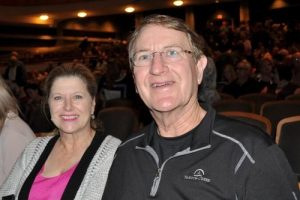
(15, 134)
(73, 164)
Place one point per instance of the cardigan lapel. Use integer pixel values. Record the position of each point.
(80, 171)
(24, 192)
(77, 176)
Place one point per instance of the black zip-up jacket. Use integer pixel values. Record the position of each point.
(226, 159)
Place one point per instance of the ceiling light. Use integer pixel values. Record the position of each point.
(44, 17)
(279, 4)
(217, 1)
(178, 3)
(81, 14)
(219, 16)
(129, 9)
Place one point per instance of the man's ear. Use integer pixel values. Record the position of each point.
(201, 64)
(133, 77)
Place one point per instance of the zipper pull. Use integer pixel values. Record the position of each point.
(155, 183)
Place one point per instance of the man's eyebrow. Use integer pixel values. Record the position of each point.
(169, 46)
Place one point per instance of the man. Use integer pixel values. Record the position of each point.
(189, 152)
(15, 71)
(244, 84)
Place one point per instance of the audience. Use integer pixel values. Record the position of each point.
(266, 45)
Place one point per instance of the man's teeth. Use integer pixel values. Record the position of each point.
(160, 84)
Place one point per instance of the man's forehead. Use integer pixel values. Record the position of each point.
(160, 35)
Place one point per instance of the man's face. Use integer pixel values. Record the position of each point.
(13, 59)
(242, 72)
(167, 85)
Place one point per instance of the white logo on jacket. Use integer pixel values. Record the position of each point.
(198, 175)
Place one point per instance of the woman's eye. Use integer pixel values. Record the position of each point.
(78, 97)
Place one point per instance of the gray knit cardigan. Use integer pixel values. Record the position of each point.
(93, 183)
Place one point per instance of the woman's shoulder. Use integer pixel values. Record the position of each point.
(106, 146)
(33, 151)
(111, 142)
(37, 145)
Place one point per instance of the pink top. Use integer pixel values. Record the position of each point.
(44, 188)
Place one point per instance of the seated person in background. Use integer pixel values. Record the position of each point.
(207, 91)
(267, 76)
(283, 66)
(15, 134)
(32, 100)
(208, 88)
(293, 86)
(227, 77)
(109, 86)
(244, 84)
(74, 163)
(189, 151)
(15, 71)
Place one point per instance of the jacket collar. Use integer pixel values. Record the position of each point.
(201, 133)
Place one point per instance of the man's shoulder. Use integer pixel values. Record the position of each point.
(133, 140)
(240, 132)
(137, 139)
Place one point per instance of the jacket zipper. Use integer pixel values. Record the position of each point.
(157, 178)
(155, 183)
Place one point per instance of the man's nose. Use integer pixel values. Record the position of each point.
(158, 64)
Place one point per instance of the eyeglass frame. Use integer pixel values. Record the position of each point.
(161, 53)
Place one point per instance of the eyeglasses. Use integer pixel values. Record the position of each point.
(168, 55)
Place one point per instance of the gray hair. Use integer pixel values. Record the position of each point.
(169, 22)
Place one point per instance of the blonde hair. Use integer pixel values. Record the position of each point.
(8, 102)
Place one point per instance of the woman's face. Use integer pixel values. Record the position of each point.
(71, 105)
